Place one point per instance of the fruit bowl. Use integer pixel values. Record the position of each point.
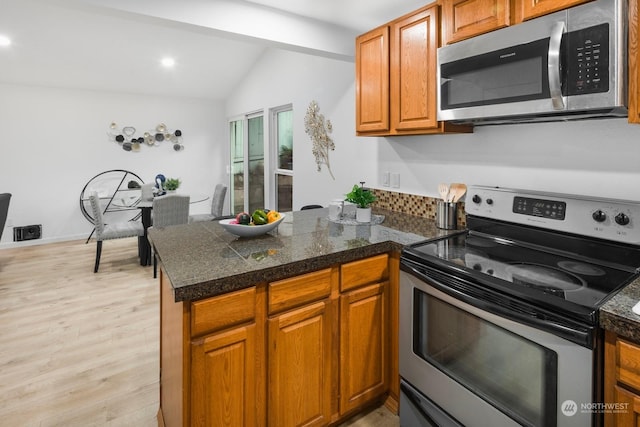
(249, 230)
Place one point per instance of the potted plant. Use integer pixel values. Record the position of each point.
(362, 198)
(172, 184)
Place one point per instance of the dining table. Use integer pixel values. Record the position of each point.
(146, 209)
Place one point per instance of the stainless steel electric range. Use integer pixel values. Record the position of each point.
(499, 323)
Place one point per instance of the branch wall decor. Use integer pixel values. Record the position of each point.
(318, 130)
(129, 142)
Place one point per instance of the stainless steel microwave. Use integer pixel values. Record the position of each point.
(567, 65)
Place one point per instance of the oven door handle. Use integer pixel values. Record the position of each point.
(430, 414)
(504, 306)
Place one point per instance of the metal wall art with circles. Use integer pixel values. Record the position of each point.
(126, 137)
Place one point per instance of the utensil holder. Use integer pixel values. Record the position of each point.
(446, 215)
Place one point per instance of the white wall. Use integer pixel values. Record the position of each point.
(594, 157)
(283, 77)
(54, 140)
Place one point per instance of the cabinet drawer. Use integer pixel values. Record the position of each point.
(295, 291)
(224, 311)
(628, 364)
(361, 272)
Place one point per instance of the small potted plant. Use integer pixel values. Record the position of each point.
(362, 198)
(172, 184)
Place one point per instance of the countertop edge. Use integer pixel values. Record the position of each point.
(252, 278)
(616, 315)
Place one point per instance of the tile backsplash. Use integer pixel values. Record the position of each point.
(412, 204)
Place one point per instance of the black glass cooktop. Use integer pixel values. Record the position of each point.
(567, 271)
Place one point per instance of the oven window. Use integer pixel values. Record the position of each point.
(512, 373)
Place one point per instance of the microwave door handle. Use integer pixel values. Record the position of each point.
(555, 87)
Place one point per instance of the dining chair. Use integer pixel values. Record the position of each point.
(168, 210)
(110, 231)
(5, 198)
(146, 191)
(217, 203)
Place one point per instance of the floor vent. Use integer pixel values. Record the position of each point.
(28, 232)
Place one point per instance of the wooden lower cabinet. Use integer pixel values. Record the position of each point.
(630, 416)
(621, 381)
(363, 346)
(223, 379)
(310, 350)
(300, 351)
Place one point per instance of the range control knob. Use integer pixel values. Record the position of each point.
(622, 219)
(476, 198)
(599, 216)
(489, 201)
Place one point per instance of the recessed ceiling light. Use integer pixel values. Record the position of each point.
(4, 40)
(168, 62)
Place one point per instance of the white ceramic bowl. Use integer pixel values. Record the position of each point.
(249, 230)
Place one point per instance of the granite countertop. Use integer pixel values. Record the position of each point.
(616, 314)
(202, 259)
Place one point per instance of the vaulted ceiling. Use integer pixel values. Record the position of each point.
(117, 45)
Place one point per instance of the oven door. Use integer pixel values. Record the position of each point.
(480, 368)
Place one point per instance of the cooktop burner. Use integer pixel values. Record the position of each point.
(552, 275)
(581, 268)
(547, 279)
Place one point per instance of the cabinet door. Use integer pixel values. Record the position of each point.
(223, 382)
(372, 81)
(534, 8)
(628, 414)
(463, 19)
(414, 42)
(363, 346)
(634, 63)
(299, 384)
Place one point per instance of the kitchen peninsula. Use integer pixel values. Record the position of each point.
(295, 327)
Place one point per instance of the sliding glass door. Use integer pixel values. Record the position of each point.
(247, 163)
(282, 138)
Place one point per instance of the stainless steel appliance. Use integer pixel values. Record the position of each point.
(567, 65)
(499, 323)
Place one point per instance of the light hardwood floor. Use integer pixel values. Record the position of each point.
(78, 348)
(81, 349)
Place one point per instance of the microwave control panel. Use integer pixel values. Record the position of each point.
(586, 53)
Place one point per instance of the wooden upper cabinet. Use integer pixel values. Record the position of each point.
(396, 77)
(414, 43)
(634, 57)
(463, 19)
(372, 81)
(534, 8)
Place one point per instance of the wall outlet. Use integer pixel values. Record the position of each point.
(395, 180)
(9, 223)
(385, 179)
